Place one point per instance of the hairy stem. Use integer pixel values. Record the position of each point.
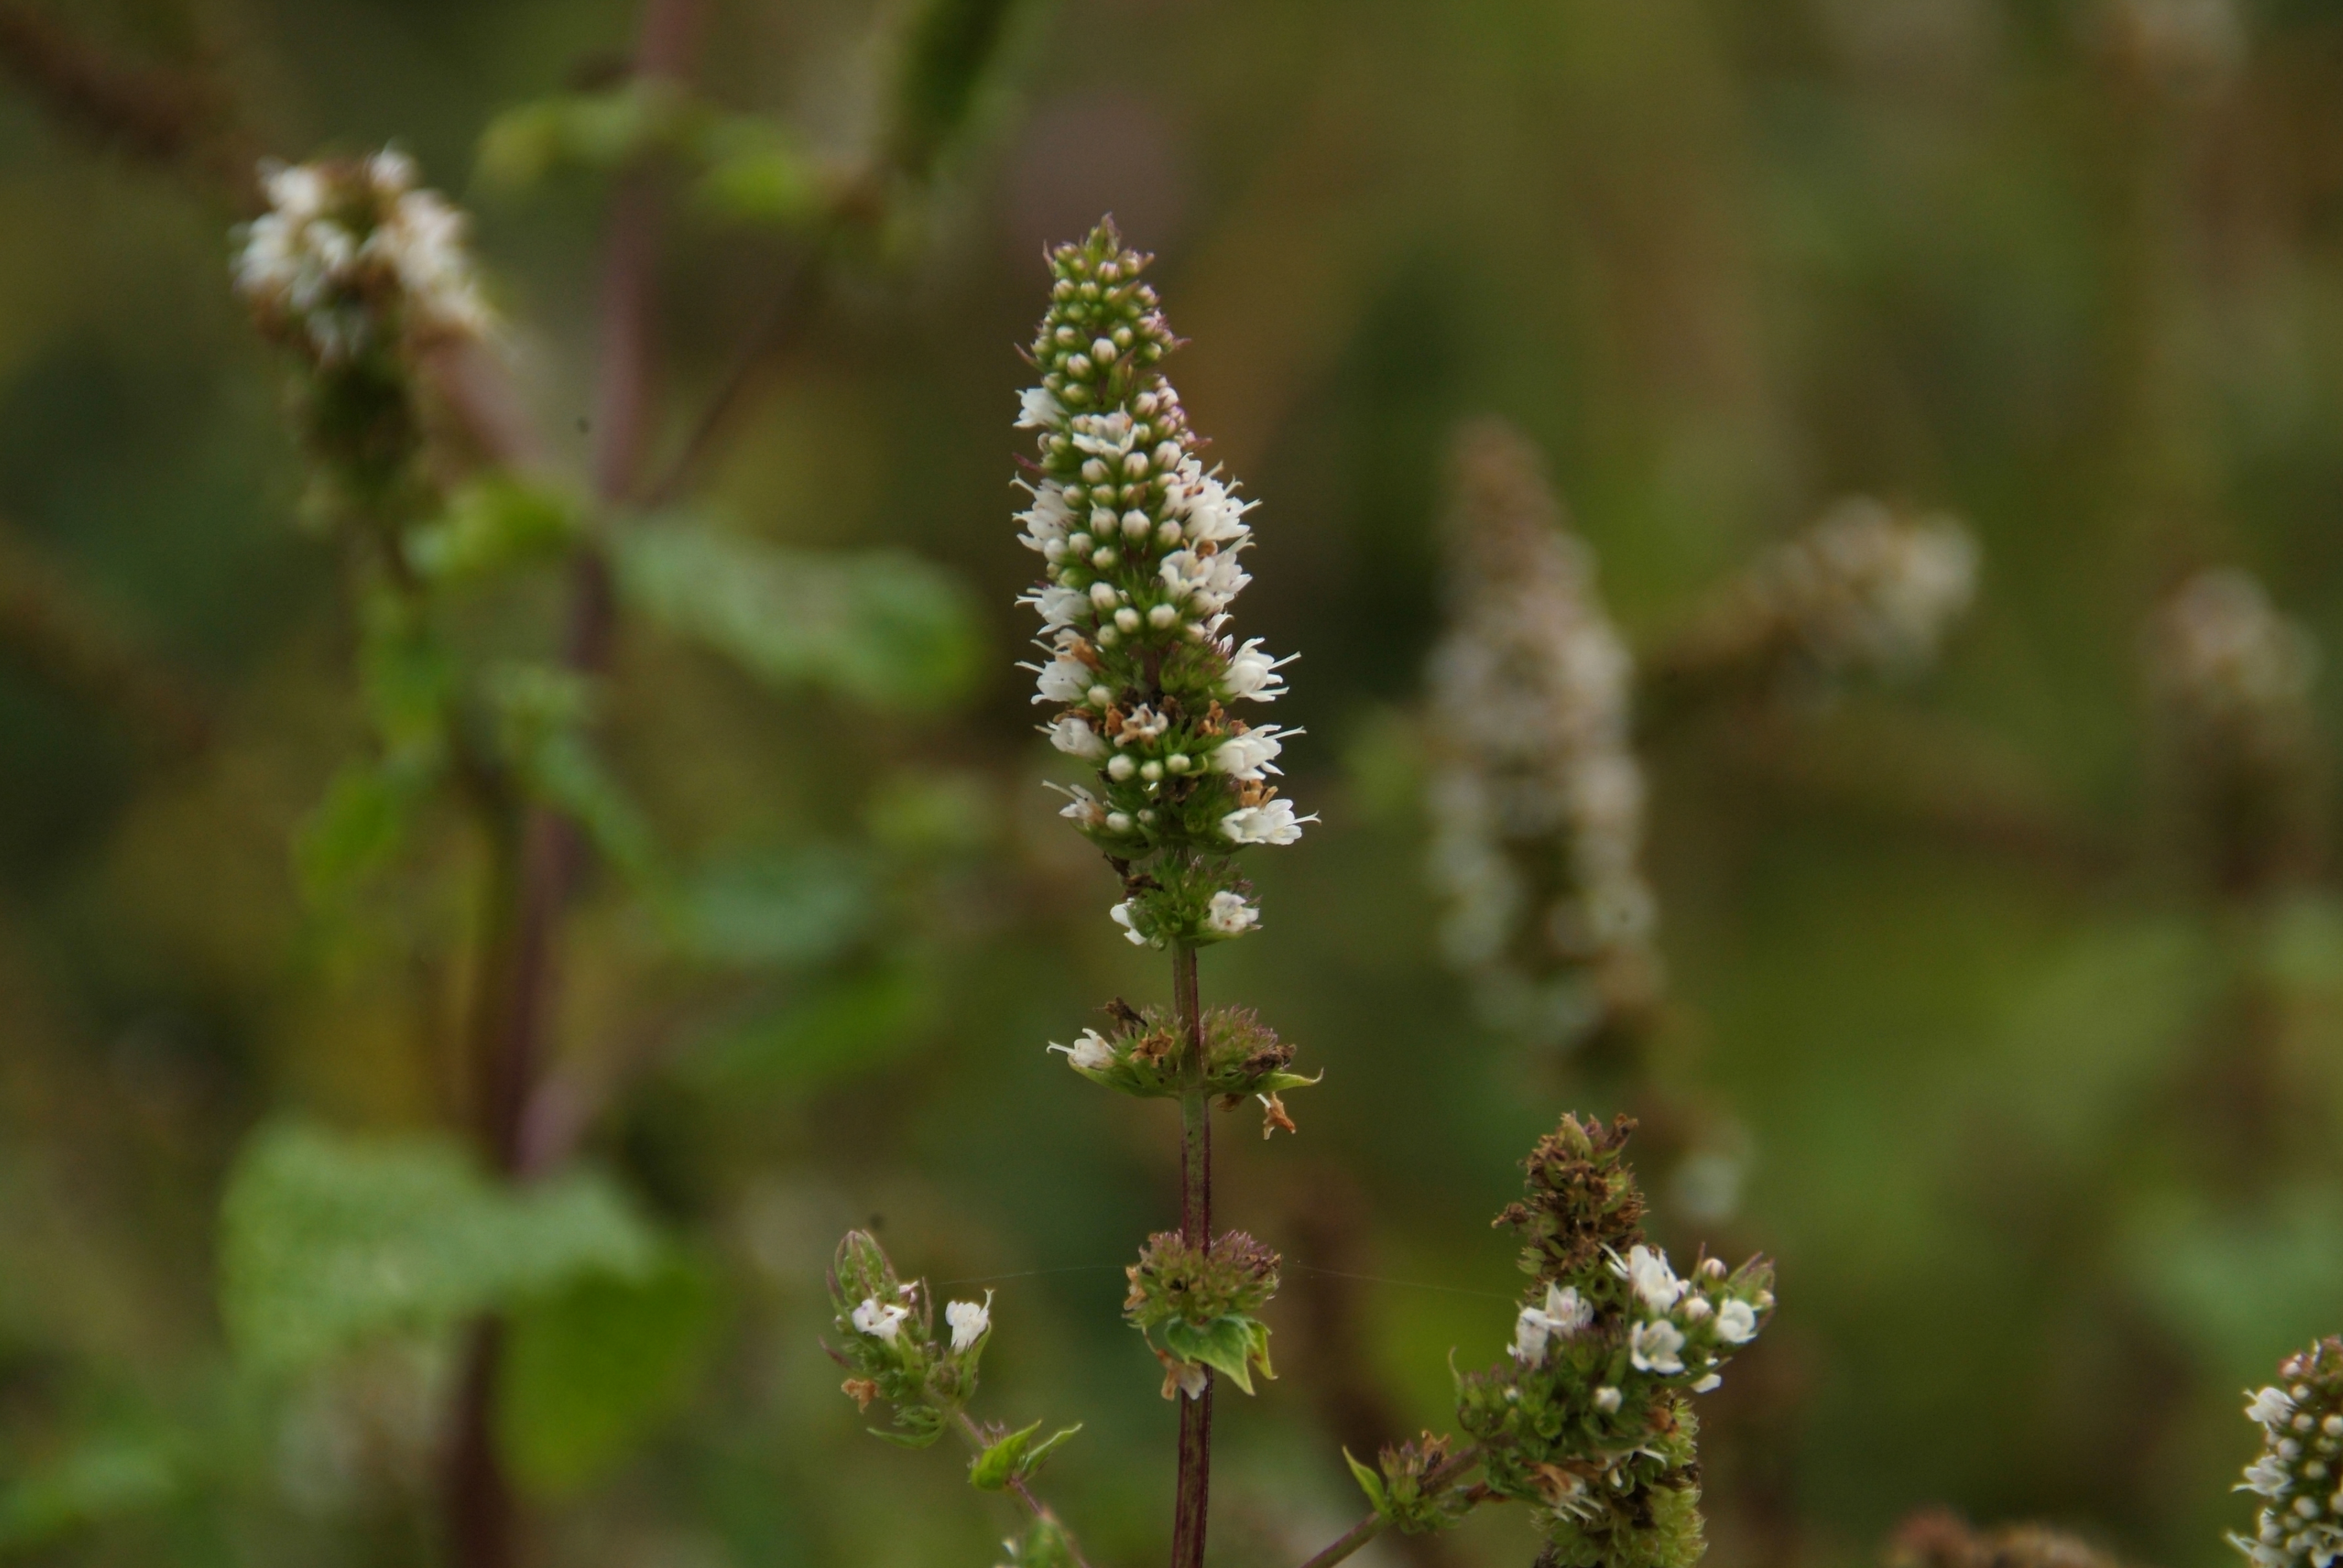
(1373, 1524)
(1033, 1506)
(1191, 1506)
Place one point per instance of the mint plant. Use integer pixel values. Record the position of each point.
(1587, 1419)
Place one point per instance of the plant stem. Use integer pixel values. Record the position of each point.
(1373, 1524)
(1191, 1506)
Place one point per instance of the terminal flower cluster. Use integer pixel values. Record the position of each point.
(1536, 796)
(352, 259)
(1143, 550)
(2298, 1474)
(887, 1344)
(1586, 1419)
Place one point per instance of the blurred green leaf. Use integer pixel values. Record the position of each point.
(1371, 1484)
(2305, 945)
(934, 812)
(2247, 1287)
(328, 1240)
(588, 1372)
(543, 713)
(800, 906)
(844, 1022)
(597, 132)
(102, 1479)
(756, 173)
(363, 819)
(884, 627)
(491, 525)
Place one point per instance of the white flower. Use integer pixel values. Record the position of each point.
(1708, 1385)
(1606, 1398)
(1271, 823)
(1653, 1347)
(2266, 1475)
(970, 1321)
(1564, 1314)
(1104, 435)
(1251, 754)
(879, 1323)
(1191, 1378)
(2271, 1407)
(1072, 735)
(1736, 1322)
(1647, 1272)
(2261, 1555)
(1047, 521)
(1122, 916)
(1080, 805)
(1213, 515)
(1253, 674)
(1088, 1054)
(1058, 607)
(1039, 409)
(1230, 915)
(1064, 680)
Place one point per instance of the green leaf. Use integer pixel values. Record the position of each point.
(589, 131)
(491, 525)
(543, 713)
(1371, 1484)
(843, 1022)
(885, 628)
(1014, 1457)
(781, 907)
(756, 173)
(102, 1479)
(366, 813)
(328, 1240)
(587, 1373)
(1233, 1343)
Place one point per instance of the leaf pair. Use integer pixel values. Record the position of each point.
(1014, 1457)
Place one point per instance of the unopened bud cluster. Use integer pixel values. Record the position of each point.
(1143, 551)
(888, 1343)
(1588, 1417)
(1536, 797)
(2299, 1472)
(352, 259)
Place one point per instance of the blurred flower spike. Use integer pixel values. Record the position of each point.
(1143, 554)
(351, 259)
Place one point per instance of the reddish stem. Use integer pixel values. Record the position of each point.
(1191, 1505)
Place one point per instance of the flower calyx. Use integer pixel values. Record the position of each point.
(1414, 1486)
(1145, 1054)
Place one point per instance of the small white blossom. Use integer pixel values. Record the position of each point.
(1082, 806)
(879, 1323)
(1654, 1347)
(1736, 1322)
(1064, 680)
(1072, 735)
(1253, 674)
(2266, 1475)
(1057, 607)
(1122, 916)
(1039, 409)
(1089, 1053)
(1230, 915)
(970, 1321)
(2269, 1406)
(1654, 1282)
(1564, 1314)
(1252, 755)
(1272, 822)
(1708, 1385)
(1606, 1399)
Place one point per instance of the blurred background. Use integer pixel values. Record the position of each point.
(2011, 1000)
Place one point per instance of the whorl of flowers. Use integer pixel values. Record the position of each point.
(1143, 552)
(1587, 1419)
(351, 259)
(1864, 589)
(1196, 1305)
(2298, 1474)
(1536, 797)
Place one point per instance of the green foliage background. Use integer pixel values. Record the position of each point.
(2050, 264)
